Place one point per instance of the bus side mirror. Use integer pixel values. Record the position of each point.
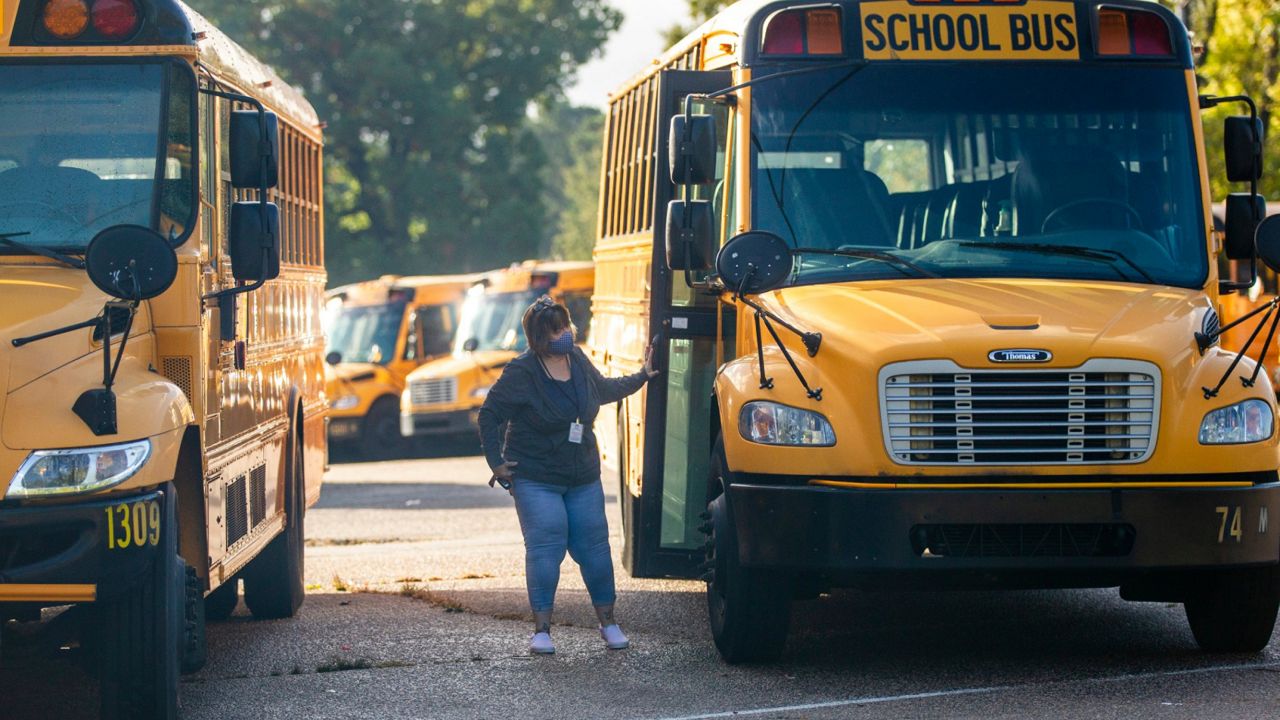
(470, 345)
(253, 243)
(1244, 211)
(255, 143)
(1242, 143)
(689, 244)
(691, 149)
(754, 262)
(1268, 242)
(333, 358)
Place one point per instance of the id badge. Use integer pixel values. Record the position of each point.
(575, 433)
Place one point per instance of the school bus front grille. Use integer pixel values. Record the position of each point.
(435, 391)
(937, 413)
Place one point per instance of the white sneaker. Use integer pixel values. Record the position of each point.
(541, 644)
(614, 638)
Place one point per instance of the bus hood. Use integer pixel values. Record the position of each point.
(36, 299)
(965, 320)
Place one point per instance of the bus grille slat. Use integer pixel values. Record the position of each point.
(435, 391)
(937, 413)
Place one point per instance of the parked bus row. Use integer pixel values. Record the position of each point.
(411, 358)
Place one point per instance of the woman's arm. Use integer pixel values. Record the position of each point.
(500, 405)
(612, 389)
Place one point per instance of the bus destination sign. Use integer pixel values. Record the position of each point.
(1035, 30)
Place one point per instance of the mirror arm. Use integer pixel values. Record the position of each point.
(92, 322)
(1269, 314)
(812, 341)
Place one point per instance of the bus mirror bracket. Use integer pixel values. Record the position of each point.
(1242, 146)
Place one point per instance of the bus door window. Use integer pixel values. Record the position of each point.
(579, 307)
(430, 332)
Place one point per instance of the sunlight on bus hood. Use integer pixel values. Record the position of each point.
(964, 320)
(38, 299)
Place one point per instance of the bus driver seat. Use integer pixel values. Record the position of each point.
(1052, 178)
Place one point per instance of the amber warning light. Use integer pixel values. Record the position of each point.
(72, 20)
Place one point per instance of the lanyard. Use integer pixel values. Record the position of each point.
(577, 401)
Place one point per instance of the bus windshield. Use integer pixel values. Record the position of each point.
(492, 320)
(84, 147)
(980, 170)
(366, 333)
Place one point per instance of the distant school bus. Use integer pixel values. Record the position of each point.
(161, 279)
(379, 331)
(443, 396)
(936, 300)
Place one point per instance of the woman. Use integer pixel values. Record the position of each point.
(548, 398)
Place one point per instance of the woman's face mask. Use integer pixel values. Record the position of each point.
(562, 344)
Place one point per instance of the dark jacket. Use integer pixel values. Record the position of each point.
(537, 431)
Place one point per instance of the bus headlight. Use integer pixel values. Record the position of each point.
(770, 423)
(345, 402)
(1245, 422)
(80, 470)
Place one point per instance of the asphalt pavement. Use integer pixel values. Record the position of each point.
(416, 609)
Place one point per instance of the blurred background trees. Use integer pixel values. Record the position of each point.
(449, 145)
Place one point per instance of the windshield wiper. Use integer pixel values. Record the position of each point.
(7, 239)
(1107, 256)
(880, 255)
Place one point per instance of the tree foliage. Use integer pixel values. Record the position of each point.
(432, 161)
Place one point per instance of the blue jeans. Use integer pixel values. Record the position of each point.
(555, 518)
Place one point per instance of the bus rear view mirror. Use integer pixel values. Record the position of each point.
(253, 241)
(1242, 143)
(689, 235)
(691, 149)
(1268, 242)
(255, 144)
(754, 262)
(1244, 212)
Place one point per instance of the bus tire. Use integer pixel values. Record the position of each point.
(380, 437)
(749, 609)
(273, 581)
(140, 635)
(222, 602)
(1235, 611)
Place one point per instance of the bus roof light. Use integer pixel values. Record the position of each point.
(115, 19)
(65, 19)
(806, 31)
(784, 34)
(1113, 32)
(1128, 33)
(1150, 34)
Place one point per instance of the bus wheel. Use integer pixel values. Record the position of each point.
(273, 581)
(219, 604)
(749, 609)
(1235, 611)
(141, 636)
(380, 437)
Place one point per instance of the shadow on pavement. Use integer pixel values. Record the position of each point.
(423, 448)
(411, 496)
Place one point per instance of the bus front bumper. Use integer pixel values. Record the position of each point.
(448, 422)
(1106, 534)
(74, 552)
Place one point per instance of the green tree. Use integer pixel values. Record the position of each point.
(571, 138)
(1240, 41)
(432, 162)
(699, 11)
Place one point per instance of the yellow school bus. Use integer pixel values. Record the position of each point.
(378, 332)
(162, 269)
(443, 396)
(934, 293)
